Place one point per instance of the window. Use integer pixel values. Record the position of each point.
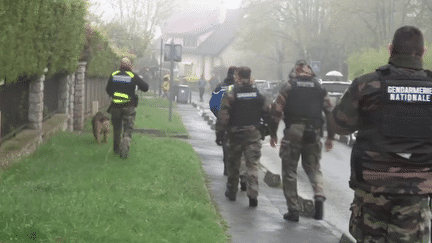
(190, 41)
(188, 70)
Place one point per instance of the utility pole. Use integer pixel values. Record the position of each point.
(172, 53)
(160, 69)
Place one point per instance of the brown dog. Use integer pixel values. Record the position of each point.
(101, 127)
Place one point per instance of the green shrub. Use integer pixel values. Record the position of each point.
(101, 59)
(366, 61)
(40, 34)
(369, 59)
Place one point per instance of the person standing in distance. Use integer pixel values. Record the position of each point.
(166, 87)
(239, 117)
(201, 86)
(121, 88)
(391, 160)
(301, 102)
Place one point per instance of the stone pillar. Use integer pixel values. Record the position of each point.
(79, 105)
(71, 101)
(36, 103)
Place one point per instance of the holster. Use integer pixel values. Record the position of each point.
(135, 101)
(109, 108)
(309, 135)
(264, 130)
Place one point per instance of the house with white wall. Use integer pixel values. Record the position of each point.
(207, 38)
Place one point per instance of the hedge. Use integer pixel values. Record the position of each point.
(40, 33)
(100, 57)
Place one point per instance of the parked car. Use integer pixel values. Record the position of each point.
(275, 88)
(263, 87)
(335, 90)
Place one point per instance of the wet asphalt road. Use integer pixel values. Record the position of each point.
(335, 166)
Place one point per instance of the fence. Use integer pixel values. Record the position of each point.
(95, 91)
(14, 107)
(51, 96)
(29, 101)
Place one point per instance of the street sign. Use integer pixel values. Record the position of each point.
(173, 53)
(316, 66)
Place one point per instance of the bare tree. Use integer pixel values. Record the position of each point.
(135, 21)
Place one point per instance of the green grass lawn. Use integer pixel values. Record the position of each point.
(154, 114)
(74, 190)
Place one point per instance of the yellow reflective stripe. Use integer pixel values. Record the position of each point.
(120, 98)
(114, 73)
(130, 74)
(121, 95)
(115, 101)
(231, 87)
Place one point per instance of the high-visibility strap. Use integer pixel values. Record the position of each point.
(130, 74)
(120, 98)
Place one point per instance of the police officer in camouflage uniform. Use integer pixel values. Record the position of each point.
(241, 109)
(301, 102)
(121, 88)
(391, 160)
(214, 103)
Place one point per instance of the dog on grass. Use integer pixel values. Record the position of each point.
(101, 127)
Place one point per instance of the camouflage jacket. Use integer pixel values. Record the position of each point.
(278, 107)
(224, 114)
(376, 171)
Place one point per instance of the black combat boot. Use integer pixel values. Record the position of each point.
(230, 195)
(292, 216)
(243, 186)
(231, 192)
(319, 207)
(253, 202)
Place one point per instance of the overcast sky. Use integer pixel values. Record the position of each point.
(105, 9)
(103, 6)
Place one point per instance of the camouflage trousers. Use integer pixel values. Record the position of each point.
(123, 119)
(389, 218)
(250, 148)
(292, 146)
(226, 156)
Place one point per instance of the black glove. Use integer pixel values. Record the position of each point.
(220, 138)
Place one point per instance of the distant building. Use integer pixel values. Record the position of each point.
(207, 37)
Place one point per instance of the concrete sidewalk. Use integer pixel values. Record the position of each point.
(264, 223)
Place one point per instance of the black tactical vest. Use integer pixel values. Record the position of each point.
(304, 101)
(123, 82)
(403, 119)
(247, 108)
